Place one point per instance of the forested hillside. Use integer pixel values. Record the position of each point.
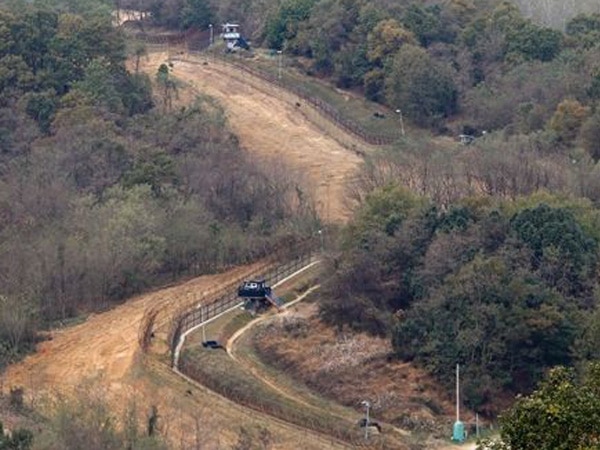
(454, 67)
(506, 288)
(454, 253)
(106, 189)
(485, 255)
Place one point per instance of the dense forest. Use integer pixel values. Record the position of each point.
(486, 255)
(443, 64)
(507, 288)
(107, 189)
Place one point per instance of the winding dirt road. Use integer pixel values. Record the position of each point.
(270, 125)
(103, 351)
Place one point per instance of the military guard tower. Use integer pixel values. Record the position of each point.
(258, 296)
(232, 37)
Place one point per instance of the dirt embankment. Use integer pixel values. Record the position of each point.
(105, 347)
(269, 125)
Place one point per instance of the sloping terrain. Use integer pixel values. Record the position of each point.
(270, 125)
(103, 351)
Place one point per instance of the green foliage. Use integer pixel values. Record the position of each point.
(566, 257)
(19, 439)
(421, 87)
(197, 14)
(504, 289)
(532, 42)
(385, 39)
(427, 24)
(562, 414)
(589, 136)
(584, 29)
(284, 24)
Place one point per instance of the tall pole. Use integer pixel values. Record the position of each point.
(399, 112)
(367, 405)
(203, 324)
(210, 39)
(279, 52)
(322, 241)
(457, 392)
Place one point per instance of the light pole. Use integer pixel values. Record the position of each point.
(210, 39)
(322, 242)
(399, 112)
(367, 405)
(280, 53)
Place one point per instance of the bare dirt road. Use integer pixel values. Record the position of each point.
(270, 125)
(104, 349)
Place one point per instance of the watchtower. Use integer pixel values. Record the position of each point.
(258, 295)
(231, 34)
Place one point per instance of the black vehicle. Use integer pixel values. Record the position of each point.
(211, 344)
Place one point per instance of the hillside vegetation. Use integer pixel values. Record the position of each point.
(484, 255)
(107, 189)
(505, 288)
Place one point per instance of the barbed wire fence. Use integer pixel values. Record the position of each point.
(227, 299)
(196, 43)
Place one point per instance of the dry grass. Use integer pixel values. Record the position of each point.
(352, 367)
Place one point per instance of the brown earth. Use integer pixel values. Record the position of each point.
(105, 348)
(350, 367)
(270, 125)
(103, 351)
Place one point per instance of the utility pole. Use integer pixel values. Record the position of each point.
(280, 62)
(399, 112)
(367, 405)
(203, 324)
(458, 430)
(322, 241)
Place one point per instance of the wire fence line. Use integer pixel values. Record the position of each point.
(227, 298)
(326, 109)
(197, 42)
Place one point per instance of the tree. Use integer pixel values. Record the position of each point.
(167, 84)
(197, 14)
(584, 29)
(386, 39)
(284, 24)
(567, 120)
(532, 42)
(589, 136)
(562, 414)
(98, 85)
(19, 439)
(420, 86)
(427, 24)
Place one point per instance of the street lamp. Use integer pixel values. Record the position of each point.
(399, 112)
(321, 238)
(280, 53)
(367, 405)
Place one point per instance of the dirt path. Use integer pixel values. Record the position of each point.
(270, 125)
(230, 346)
(105, 347)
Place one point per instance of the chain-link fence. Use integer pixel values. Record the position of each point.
(227, 298)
